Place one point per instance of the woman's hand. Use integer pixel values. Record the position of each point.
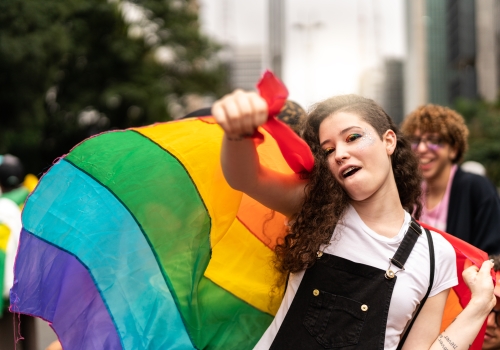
(461, 333)
(481, 285)
(240, 113)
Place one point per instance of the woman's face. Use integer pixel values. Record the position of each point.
(357, 157)
(434, 155)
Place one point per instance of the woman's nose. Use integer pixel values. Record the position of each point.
(341, 154)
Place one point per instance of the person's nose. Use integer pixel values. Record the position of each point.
(422, 146)
(341, 154)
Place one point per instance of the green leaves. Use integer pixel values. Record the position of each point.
(483, 120)
(73, 68)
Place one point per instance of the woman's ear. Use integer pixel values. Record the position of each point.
(390, 140)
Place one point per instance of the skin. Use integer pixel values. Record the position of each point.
(372, 188)
(435, 166)
(465, 327)
(373, 194)
(56, 345)
(492, 335)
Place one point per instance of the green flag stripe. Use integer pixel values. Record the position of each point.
(162, 197)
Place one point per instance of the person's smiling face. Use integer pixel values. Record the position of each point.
(434, 155)
(357, 156)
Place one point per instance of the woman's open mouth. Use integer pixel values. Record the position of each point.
(350, 171)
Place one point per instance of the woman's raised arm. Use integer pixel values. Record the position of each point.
(239, 114)
(463, 330)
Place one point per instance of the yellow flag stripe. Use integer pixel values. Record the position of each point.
(241, 264)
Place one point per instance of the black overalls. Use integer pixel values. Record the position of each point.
(341, 304)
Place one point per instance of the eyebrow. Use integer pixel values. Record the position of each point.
(341, 133)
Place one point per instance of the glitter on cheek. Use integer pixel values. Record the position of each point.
(366, 140)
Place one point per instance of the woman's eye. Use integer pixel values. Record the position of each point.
(329, 150)
(353, 137)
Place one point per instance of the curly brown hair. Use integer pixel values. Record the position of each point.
(496, 261)
(448, 124)
(325, 199)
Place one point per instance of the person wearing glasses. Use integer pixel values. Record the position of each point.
(463, 204)
(492, 335)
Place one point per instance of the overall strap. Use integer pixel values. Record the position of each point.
(406, 246)
(431, 282)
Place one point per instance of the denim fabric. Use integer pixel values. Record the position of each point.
(327, 313)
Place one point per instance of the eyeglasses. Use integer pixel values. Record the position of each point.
(433, 143)
(497, 318)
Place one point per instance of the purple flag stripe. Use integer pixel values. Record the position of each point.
(52, 284)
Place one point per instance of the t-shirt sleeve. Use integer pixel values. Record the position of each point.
(445, 275)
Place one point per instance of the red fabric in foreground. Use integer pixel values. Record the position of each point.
(294, 149)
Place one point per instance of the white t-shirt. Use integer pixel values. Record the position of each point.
(355, 241)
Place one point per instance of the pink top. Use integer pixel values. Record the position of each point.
(437, 216)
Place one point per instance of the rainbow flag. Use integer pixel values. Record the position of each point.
(134, 240)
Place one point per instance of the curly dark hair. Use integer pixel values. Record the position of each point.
(325, 200)
(448, 124)
(496, 261)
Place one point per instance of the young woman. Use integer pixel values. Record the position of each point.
(348, 218)
(463, 204)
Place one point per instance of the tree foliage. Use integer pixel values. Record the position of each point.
(73, 68)
(483, 120)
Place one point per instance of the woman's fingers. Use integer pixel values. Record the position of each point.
(219, 113)
(240, 113)
(245, 112)
(473, 275)
(480, 283)
(485, 271)
(260, 109)
(231, 105)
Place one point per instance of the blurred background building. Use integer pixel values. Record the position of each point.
(401, 53)
(452, 51)
(319, 48)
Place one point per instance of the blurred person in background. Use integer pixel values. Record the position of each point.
(11, 173)
(463, 204)
(15, 187)
(492, 335)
